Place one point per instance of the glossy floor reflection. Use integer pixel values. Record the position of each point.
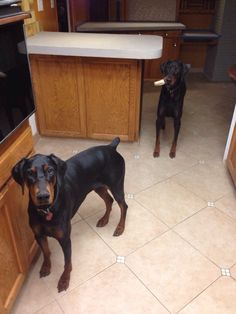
(178, 252)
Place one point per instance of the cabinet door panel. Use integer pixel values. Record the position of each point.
(20, 223)
(112, 97)
(171, 48)
(231, 159)
(57, 96)
(11, 270)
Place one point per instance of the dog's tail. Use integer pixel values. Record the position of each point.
(115, 142)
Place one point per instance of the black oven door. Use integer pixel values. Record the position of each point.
(16, 99)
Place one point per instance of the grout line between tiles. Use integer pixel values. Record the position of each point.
(196, 249)
(198, 294)
(171, 227)
(83, 282)
(146, 287)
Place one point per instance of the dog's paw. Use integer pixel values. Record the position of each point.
(63, 284)
(119, 230)
(45, 270)
(102, 222)
(156, 154)
(172, 155)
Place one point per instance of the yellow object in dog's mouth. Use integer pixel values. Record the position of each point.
(159, 83)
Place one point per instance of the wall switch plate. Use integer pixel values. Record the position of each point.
(52, 4)
(40, 5)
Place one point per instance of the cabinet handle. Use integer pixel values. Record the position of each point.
(167, 34)
(174, 45)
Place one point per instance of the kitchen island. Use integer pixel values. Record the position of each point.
(171, 32)
(90, 85)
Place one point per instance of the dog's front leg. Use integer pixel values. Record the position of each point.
(64, 280)
(46, 266)
(177, 125)
(159, 124)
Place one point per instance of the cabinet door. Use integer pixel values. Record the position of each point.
(231, 159)
(59, 110)
(112, 97)
(11, 266)
(18, 213)
(171, 49)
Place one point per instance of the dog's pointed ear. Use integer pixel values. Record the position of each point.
(60, 164)
(18, 174)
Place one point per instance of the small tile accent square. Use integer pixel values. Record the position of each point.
(75, 151)
(225, 272)
(210, 204)
(202, 162)
(130, 195)
(120, 259)
(136, 157)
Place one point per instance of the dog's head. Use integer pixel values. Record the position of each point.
(174, 72)
(40, 173)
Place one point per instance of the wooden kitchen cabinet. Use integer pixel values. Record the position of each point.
(87, 97)
(231, 158)
(58, 93)
(17, 244)
(171, 50)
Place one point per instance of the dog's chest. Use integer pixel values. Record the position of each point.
(48, 230)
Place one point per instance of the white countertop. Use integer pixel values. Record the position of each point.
(96, 45)
(128, 26)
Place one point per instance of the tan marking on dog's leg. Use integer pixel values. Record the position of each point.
(172, 153)
(102, 192)
(121, 225)
(64, 281)
(46, 266)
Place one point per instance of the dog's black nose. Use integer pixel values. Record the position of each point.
(43, 196)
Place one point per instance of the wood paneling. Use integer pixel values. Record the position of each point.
(194, 54)
(79, 12)
(196, 20)
(87, 97)
(112, 97)
(11, 271)
(196, 15)
(171, 50)
(46, 18)
(231, 159)
(55, 82)
(20, 148)
(17, 245)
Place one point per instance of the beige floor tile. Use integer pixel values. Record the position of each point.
(227, 204)
(213, 233)
(91, 205)
(90, 255)
(34, 295)
(141, 227)
(219, 298)
(173, 270)
(114, 291)
(233, 271)
(170, 202)
(146, 171)
(210, 180)
(52, 308)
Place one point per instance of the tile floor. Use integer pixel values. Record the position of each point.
(178, 252)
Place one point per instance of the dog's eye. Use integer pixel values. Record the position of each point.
(30, 172)
(50, 170)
